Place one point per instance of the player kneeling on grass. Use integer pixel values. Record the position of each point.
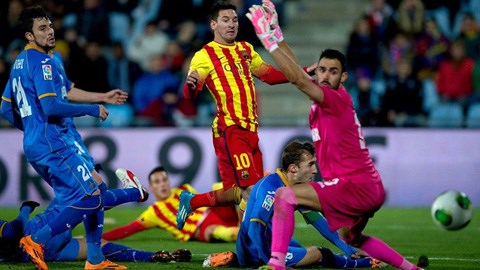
(64, 247)
(254, 239)
(204, 224)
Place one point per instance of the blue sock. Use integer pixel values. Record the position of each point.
(14, 229)
(93, 229)
(320, 223)
(117, 252)
(344, 262)
(68, 218)
(114, 197)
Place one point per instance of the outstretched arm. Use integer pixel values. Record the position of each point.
(123, 231)
(317, 220)
(115, 96)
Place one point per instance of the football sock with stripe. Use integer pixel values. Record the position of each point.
(117, 252)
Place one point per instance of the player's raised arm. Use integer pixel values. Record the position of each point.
(294, 73)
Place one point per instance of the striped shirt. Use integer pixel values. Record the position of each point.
(227, 71)
(163, 214)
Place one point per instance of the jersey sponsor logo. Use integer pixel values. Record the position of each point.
(245, 55)
(268, 202)
(47, 72)
(46, 60)
(245, 174)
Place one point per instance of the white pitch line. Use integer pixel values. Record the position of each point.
(407, 257)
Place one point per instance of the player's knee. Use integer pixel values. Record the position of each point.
(286, 194)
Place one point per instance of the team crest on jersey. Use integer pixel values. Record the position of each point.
(47, 72)
(245, 174)
(245, 55)
(268, 202)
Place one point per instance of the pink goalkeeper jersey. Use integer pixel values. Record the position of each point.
(339, 143)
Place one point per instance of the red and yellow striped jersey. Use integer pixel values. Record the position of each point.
(227, 71)
(163, 214)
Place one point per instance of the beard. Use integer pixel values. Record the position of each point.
(46, 47)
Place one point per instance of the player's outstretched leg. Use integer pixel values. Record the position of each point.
(34, 251)
(184, 209)
(129, 180)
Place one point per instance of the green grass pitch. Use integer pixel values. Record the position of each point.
(410, 231)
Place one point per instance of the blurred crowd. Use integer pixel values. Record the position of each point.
(412, 62)
(405, 58)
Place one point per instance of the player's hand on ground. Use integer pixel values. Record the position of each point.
(103, 112)
(115, 96)
(192, 80)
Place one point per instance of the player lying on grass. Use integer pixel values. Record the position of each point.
(64, 247)
(254, 239)
(205, 224)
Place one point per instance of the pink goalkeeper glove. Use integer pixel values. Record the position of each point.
(261, 24)
(269, 8)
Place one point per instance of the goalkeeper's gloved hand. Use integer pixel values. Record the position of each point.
(272, 14)
(260, 22)
(30, 204)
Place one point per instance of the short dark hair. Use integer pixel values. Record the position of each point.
(155, 170)
(292, 154)
(217, 7)
(335, 54)
(28, 15)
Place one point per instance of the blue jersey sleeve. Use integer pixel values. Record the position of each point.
(53, 106)
(7, 108)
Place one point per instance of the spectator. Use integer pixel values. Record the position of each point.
(410, 16)
(443, 12)
(155, 93)
(380, 14)
(431, 46)
(400, 47)
(91, 22)
(146, 45)
(145, 12)
(9, 21)
(362, 49)
(403, 98)
(470, 33)
(454, 79)
(121, 71)
(91, 70)
(365, 99)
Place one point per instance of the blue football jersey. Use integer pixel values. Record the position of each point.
(31, 79)
(260, 211)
